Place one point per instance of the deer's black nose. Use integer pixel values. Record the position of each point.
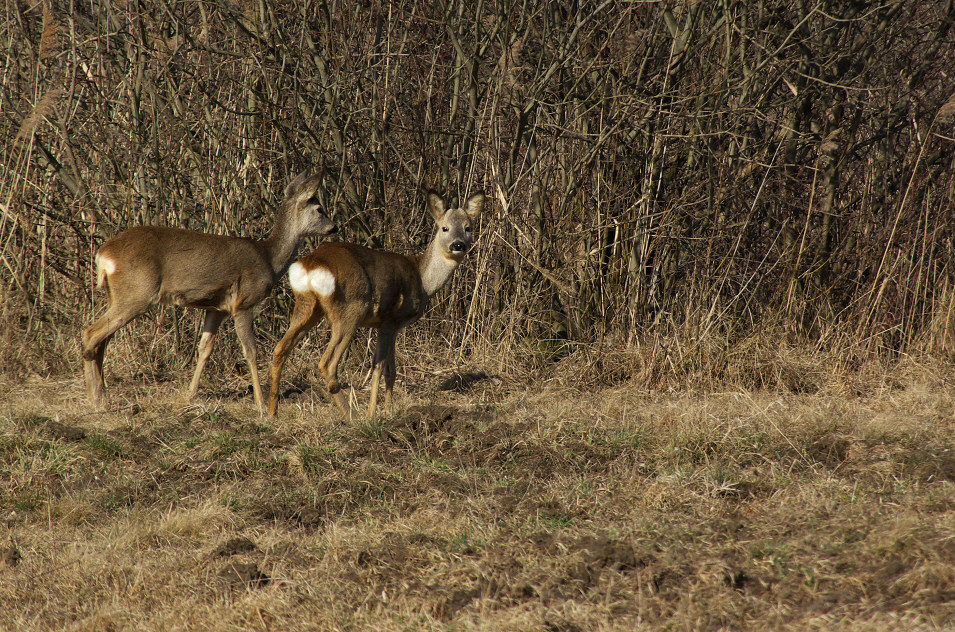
(458, 246)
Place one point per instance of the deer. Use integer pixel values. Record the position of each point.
(353, 286)
(223, 275)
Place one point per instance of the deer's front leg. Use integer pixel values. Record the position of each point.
(384, 352)
(244, 329)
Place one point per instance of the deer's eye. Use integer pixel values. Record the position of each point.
(444, 229)
(467, 229)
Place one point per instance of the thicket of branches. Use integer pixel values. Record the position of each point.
(707, 171)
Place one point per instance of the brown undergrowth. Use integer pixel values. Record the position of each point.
(483, 502)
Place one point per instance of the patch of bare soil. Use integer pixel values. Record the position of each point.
(235, 546)
(243, 574)
(65, 432)
(10, 556)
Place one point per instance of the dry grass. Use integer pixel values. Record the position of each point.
(496, 505)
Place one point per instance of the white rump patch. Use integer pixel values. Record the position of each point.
(105, 265)
(322, 282)
(298, 277)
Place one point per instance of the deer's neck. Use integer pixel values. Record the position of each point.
(435, 270)
(282, 243)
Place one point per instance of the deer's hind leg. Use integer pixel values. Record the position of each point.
(210, 325)
(306, 314)
(95, 339)
(343, 331)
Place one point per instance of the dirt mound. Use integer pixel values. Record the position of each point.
(240, 574)
(235, 546)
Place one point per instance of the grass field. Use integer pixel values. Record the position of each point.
(493, 505)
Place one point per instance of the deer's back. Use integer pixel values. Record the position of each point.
(386, 284)
(188, 268)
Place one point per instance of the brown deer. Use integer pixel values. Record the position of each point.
(353, 286)
(222, 275)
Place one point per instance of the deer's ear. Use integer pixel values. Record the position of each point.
(474, 205)
(295, 184)
(306, 184)
(435, 205)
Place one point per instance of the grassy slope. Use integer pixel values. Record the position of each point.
(500, 508)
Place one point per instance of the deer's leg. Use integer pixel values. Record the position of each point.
(384, 355)
(93, 371)
(245, 330)
(306, 314)
(343, 330)
(95, 339)
(209, 328)
(390, 372)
